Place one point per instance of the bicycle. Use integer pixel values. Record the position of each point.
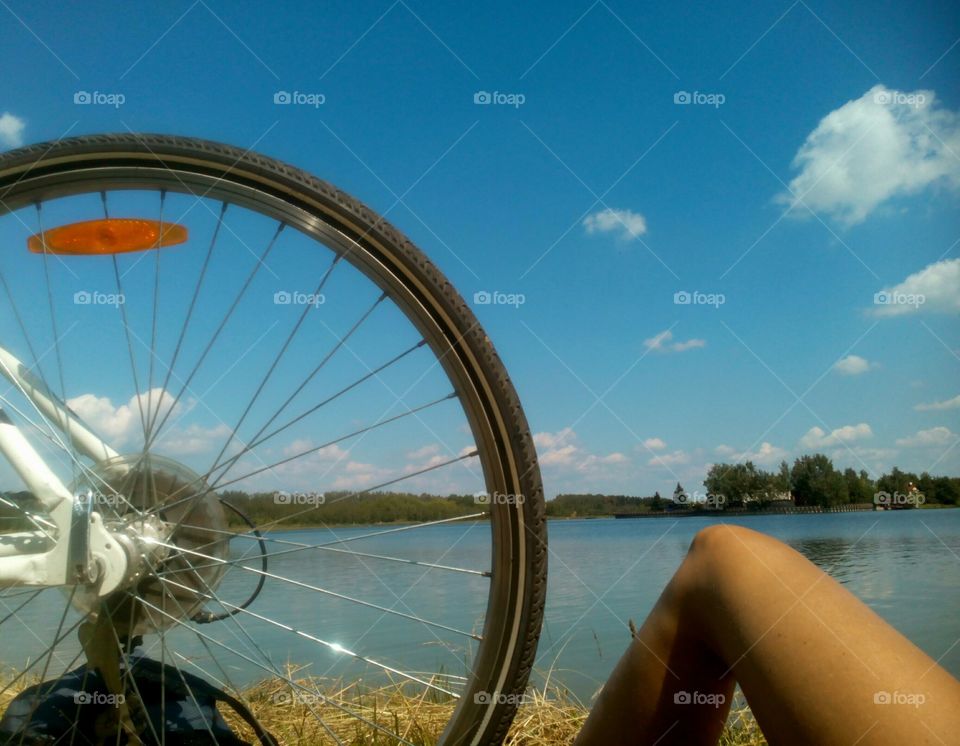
(149, 231)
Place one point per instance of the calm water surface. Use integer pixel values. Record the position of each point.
(905, 565)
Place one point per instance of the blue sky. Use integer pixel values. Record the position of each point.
(816, 164)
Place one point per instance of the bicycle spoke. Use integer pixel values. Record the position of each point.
(153, 325)
(278, 358)
(335, 441)
(190, 309)
(118, 281)
(56, 441)
(347, 539)
(53, 320)
(216, 334)
(411, 587)
(380, 486)
(247, 637)
(300, 546)
(333, 646)
(32, 594)
(314, 588)
(301, 386)
(333, 397)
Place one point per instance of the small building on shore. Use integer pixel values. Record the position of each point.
(782, 500)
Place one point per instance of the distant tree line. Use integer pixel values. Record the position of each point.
(344, 507)
(586, 505)
(811, 481)
(814, 481)
(296, 508)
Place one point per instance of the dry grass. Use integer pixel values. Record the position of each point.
(547, 718)
(552, 718)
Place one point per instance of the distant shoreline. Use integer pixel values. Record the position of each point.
(607, 517)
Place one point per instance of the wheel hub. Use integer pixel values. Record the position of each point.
(171, 528)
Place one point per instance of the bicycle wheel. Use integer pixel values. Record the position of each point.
(276, 336)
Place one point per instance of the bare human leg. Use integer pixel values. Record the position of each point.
(815, 664)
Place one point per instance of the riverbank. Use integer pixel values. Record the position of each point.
(737, 512)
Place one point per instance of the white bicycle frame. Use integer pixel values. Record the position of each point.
(84, 550)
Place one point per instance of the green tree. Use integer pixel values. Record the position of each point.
(860, 488)
(781, 480)
(815, 481)
(739, 483)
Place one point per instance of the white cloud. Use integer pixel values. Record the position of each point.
(562, 455)
(817, 439)
(883, 145)
(119, 424)
(431, 455)
(654, 444)
(766, 455)
(857, 457)
(421, 453)
(562, 450)
(329, 468)
(326, 454)
(628, 224)
(935, 436)
(592, 463)
(358, 475)
(674, 458)
(11, 130)
(852, 365)
(663, 342)
(552, 440)
(934, 288)
(939, 406)
(193, 439)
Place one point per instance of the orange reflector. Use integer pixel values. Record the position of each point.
(110, 236)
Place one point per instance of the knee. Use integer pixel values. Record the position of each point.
(721, 540)
(722, 551)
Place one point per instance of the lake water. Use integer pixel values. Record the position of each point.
(904, 565)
